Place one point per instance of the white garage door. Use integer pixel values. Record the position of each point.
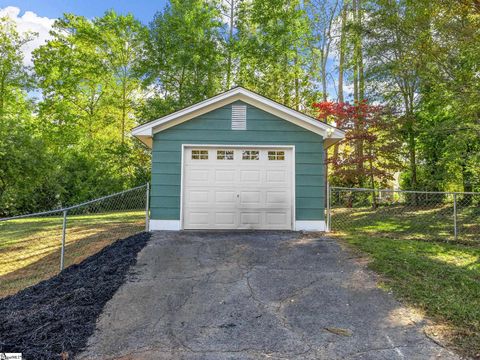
(237, 188)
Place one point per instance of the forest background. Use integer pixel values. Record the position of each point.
(402, 77)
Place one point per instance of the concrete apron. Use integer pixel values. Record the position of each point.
(254, 295)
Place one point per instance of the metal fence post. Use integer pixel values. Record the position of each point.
(455, 229)
(329, 192)
(147, 206)
(64, 235)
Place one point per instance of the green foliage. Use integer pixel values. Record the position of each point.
(90, 77)
(184, 62)
(423, 62)
(25, 164)
(451, 94)
(98, 78)
(27, 172)
(14, 79)
(273, 51)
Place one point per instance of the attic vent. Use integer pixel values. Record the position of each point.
(239, 117)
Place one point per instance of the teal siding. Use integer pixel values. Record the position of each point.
(214, 128)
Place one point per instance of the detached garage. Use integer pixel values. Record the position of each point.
(238, 161)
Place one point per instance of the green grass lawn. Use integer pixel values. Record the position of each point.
(440, 278)
(403, 222)
(30, 247)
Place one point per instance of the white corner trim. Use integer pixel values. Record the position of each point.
(164, 225)
(310, 225)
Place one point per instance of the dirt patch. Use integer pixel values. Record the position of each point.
(54, 319)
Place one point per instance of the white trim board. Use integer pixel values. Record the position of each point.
(329, 133)
(300, 225)
(310, 225)
(164, 225)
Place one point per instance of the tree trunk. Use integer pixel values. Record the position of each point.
(230, 35)
(2, 97)
(341, 66)
(412, 158)
(372, 179)
(323, 74)
(341, 60)
(357, 91)
(297, 83)
(411, 139)
(361, 73)
(124, 110)
(467, 178)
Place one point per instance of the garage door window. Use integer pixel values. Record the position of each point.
(199, 154)
(250, 155)
(276, 155)
(224, 154)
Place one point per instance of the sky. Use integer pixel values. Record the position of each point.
(38, 15)
(142, 9)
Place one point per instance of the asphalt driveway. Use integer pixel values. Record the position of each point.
(255, 295)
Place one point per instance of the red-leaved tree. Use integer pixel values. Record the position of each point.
(370, 153)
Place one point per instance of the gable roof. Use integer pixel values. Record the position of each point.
(330, 133)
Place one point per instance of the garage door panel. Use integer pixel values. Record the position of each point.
(225, 175)
(199, 218)
(225, 197)
(238, 193)
(197, 176)
(250, 198)
(277, 176)
(250, 176)
(277, 198)
(250, 218)
(277, 218)
(198, 196)
(225, 218)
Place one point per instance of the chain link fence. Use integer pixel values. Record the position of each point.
(35, 247)
(421, 215)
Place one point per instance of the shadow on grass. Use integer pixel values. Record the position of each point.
(403, 222)
(427, 276)
(17, 230)
(81, 243)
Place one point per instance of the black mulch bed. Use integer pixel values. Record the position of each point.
(54, 319)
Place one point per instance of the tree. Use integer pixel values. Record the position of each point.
(72, 76)
(99, 78)
(273, 44)
(358, 79)
(394, 64)
(322, 15)
(450, 88)
(341, 52)
(14, 77)
(184, 62)
(230, 10)
(91, 90)
(25, 165)
(375, 127)
(421, 61)
(120, 42)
